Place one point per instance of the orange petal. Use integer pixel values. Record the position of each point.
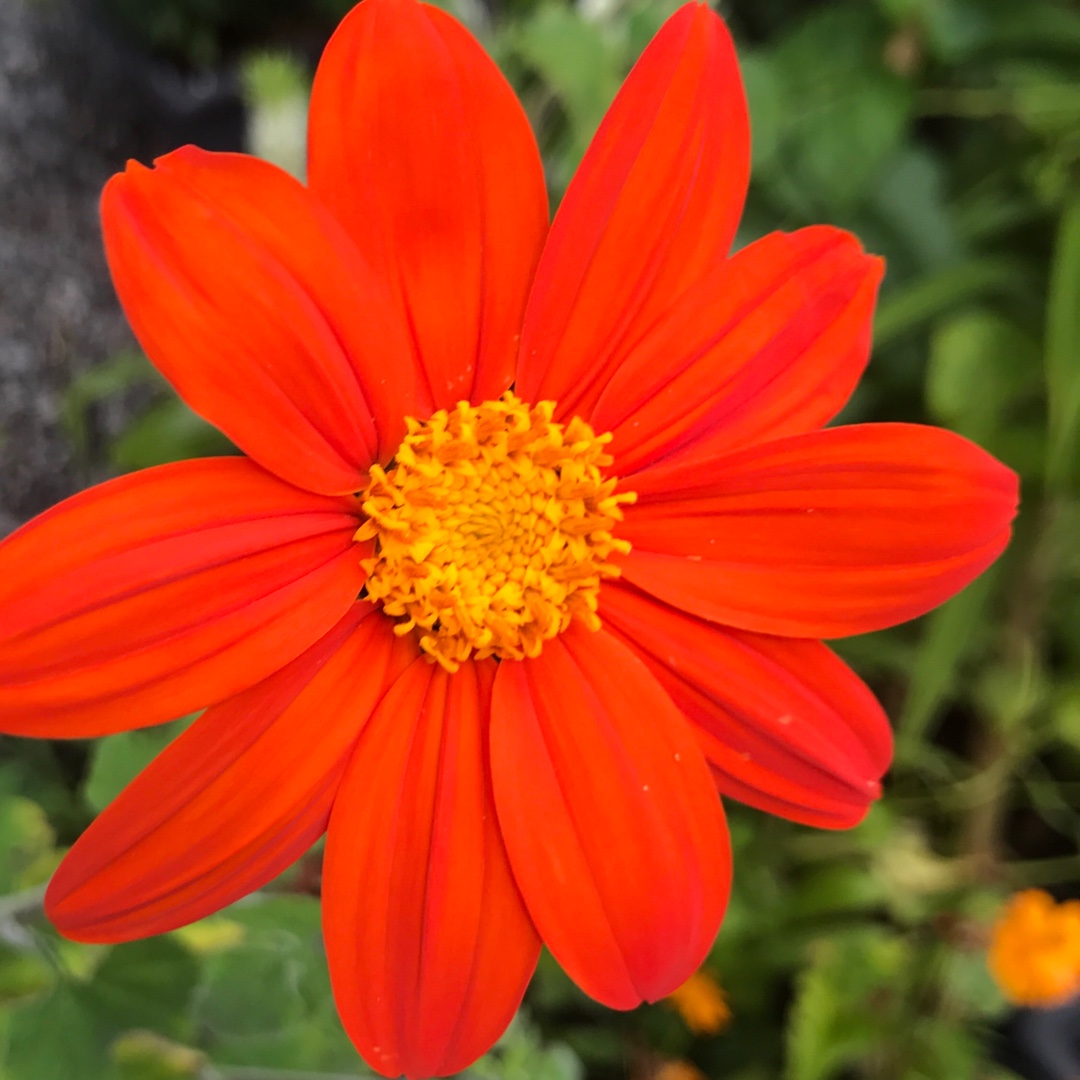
(254, 304)
(429, 944)
(652, 208)
(785, 724)
(165, 591)
(614, 827)
(822, 535)
(769, 343)
(235, 799)
(419, 146)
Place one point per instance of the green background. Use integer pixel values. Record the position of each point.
(946, 134)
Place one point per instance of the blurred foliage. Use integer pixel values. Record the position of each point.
(946, 133)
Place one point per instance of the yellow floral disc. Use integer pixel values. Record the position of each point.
(492, 529)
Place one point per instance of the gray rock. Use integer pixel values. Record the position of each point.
(76, 101)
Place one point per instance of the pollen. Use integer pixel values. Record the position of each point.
(492, 529)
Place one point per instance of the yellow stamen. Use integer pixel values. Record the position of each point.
(492, 529)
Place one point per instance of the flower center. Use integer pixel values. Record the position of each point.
(492, 529)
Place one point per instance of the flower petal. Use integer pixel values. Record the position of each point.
(165, 591)
(420, 148)
(785, 724)
(770, 343)
(652, 208)
(614, 827)
(822, 535)
(429, 943)
(235, 799)
(254, 304)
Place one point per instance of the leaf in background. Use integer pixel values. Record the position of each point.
(167, 431)
(765, 99)
(842, 121)
(521, 1055)
(910, 308)
(966, 980)
(981, 367)
(26, 839)
(23, 973)
(146, 984)
(1036, 27)
(953, 633)
(579, 66)
(1063, 352)
(836, 890)
(268, 1001)
(277, 88)
(843, 1003)
(909, 204)
(952, 29)
(65, 1034)
(253, 990)
(142, 1055)
(1066, 714)
(117, 759)
(117, 374)
(57, 1037)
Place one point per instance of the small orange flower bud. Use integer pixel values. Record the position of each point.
(701, 1004)
(1035, 949)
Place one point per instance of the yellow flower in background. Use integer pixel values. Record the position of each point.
(1034, 952)
(678, 1070)
(701, 1004)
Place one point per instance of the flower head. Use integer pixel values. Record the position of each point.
(1035, 949)
(535, 536)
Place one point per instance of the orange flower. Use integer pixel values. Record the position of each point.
(701, 1004)
(1035, 949)
(678, 1070)
(503, 647)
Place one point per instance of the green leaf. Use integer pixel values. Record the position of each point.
(1066, 714)
(167, 431)
(145, 984)
(112, 377)
(253, 989)
(277, 88)
(966, 980)
(268, 1000)
(25, 838)
(953, 633)
(142, 1055)
(835, 889)
(1039, 27)
(521, 1055)
(65, 1034)
(912, 307)
(576, 61)
(842, 121)
(118, 759)
(58, 1037)
(1063, 352)
(23, 974)
(909, 204)
(982, 365)
(843, 1007)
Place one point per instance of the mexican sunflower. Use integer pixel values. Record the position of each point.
(1034, 953)
(535, 535)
